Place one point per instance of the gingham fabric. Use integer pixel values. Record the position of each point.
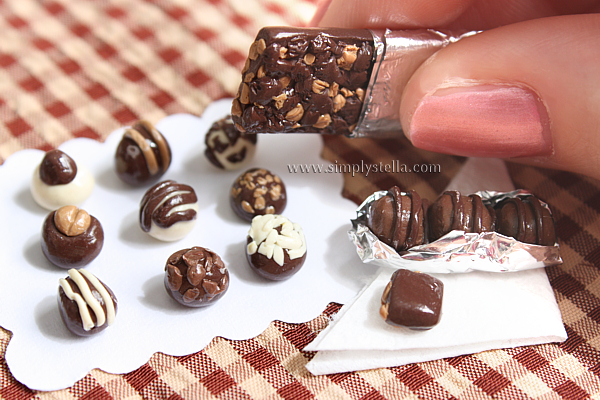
(73, 68)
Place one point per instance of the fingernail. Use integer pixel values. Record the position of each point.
(482, 121)
(320, 12)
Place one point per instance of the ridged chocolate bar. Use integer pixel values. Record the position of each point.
(304, 80)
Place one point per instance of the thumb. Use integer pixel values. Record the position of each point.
(528, 91)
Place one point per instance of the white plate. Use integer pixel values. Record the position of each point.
(43, 355)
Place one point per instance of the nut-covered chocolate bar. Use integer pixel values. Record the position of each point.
(304, 80)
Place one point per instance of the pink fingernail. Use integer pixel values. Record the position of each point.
(482, 121)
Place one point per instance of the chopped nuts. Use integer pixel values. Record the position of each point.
(246, 66)
(319, 86)
(283, 52)
(261, 72)
(339, 102)
(248, 77)
(236, 108)
(239, 128)
(333, 90)
(323, 121)
(309, 58)
(261, 181)
(295, 114)
(245, 95)
(259, 203)
(346, 92)
(360, 93)
(270, 210)
(71, 221)
(279, 100)
(285, 81)
(275, 192)
(247, 207)
(257, 49)
(261, 191)
(348, 57)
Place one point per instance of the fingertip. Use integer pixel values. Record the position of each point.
(320, 12)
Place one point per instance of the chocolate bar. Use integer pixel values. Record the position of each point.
(304, 80)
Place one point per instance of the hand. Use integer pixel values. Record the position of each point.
(526, 89)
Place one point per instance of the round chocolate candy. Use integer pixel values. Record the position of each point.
(226, 147)
(59, 181)
(399, 219)
(276, 248)
(168, 210)
(71, 238)
(453, 211)
(257, 192)
(87, 306)
(525, 219)
(143, 155)
(196, 277)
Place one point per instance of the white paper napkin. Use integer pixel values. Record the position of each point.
(481, 310)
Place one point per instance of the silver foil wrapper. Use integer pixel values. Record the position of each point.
(397, 55)
(457, 251)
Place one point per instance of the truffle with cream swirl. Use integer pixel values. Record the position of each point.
(168, 210)
(276, 247)
(87, 306)
(143, 155)
(228, 148)
(59, 181)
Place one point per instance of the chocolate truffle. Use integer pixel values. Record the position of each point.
(525, 219)
(399, 219)
(257, 192)
(196, 277)
(143, 155)
(71, 238)
(168, 210)
(226, 147)
(453, 211)
(87, 306)
(58, 181)
(304, 80)
(412, 299)
(276, 248)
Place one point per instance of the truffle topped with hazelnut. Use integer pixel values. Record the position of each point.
(71, 238)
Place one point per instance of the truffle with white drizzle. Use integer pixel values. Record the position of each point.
(276, 247)
(168, 210)
(87, 306)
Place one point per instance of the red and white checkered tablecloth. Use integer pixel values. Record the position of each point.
(81, 68)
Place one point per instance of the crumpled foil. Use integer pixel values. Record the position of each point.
(457, 251)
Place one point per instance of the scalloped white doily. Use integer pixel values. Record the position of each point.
(43, 355)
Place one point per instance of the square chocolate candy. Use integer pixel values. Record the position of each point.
(412, 299)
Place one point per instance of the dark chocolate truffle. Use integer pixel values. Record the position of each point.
(71, 238)
(143, 155)
(87, 306)
(226, 147)
(412, 299)
(257, 192)
(58, 181)
(399, 219)
(168, 210)
(276, 248)
(453, 211)
(525, 219)
(196, 277)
